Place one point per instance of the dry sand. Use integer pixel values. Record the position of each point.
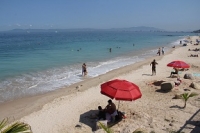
(65, 111)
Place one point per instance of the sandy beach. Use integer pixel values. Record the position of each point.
(71, 109)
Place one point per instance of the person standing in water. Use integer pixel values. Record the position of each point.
(163, 52)
(110, 50)
(84, 69)
(158, 52)
(153, 63)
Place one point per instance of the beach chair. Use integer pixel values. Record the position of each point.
(98, 124)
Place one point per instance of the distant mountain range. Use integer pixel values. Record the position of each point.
(141, 28)
(196, 31)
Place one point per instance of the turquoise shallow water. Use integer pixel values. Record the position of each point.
(38, 62)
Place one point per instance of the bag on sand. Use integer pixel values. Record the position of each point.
(119, 115)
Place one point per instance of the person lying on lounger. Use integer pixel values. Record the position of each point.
(175, 72)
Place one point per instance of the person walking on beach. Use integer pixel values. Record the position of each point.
(84, 69)
(153, 63)
(158, 52)
(163, 52)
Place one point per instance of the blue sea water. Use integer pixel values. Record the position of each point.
(37, 62)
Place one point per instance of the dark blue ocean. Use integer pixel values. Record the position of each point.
(37, 62)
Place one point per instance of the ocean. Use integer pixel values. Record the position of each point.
(38, 62)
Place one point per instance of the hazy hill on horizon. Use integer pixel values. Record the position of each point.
(134, 29)
(140, 28)
(196, 31)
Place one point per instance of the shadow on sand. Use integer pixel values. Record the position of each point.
(193, 123)
(147, 74)
(89, 118)
(162, 91)
(158, 83)
(176, 106)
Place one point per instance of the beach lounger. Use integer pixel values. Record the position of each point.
(176, 74)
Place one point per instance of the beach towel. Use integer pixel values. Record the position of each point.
(196, 74)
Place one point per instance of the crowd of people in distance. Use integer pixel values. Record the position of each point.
(196, 49)
(193, 55)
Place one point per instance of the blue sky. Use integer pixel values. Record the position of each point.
(173, 15)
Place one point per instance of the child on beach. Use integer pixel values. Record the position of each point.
(102, 114)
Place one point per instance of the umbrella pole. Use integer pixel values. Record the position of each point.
(118, 105)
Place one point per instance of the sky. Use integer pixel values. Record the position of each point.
(171, 15)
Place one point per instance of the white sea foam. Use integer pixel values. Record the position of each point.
(36, 82)
(41, 82)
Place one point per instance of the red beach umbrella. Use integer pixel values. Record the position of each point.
(178, 64)
(121, 90)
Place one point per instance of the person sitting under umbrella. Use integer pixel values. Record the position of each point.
(175, 72)
(102, 114)
(111, 111)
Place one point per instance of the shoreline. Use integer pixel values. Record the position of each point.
(41, 81)
(42, 99)
(61, 110)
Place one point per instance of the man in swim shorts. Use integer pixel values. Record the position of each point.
(153, 63)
